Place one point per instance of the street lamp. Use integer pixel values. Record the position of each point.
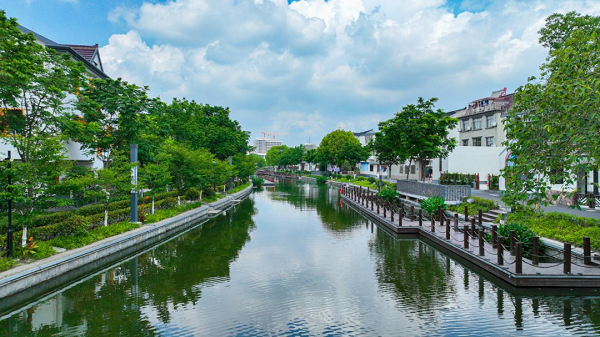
(9, 231)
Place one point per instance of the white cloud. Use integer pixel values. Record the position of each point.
(309, 67)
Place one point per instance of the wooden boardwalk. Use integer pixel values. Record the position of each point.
(541, 275)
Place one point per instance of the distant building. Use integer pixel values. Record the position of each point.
(309, 146)
(263, 145)
(480, 123)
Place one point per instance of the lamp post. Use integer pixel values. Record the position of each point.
(9, 231)
(133, 156)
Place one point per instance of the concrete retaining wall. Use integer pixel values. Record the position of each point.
(47, 270)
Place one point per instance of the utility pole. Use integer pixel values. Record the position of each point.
(9, 231)
(133, 158)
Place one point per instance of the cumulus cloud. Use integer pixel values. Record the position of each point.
(309, 67)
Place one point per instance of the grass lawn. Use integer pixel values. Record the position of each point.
(478, 204)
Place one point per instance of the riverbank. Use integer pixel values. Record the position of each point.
(50, 272)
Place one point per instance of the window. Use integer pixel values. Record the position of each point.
(406, 168)
(465, 142)
(401, 169)
(465, 125)
(371, 168)
(477, 123)
(489, 141)
(476, 141)
(412, 169)
(490, 122)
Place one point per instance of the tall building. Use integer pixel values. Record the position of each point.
(262, 145)
(309, 146)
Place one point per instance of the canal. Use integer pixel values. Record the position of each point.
(294, 261)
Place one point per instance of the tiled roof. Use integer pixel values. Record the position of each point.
(86, 51)
(364, 133)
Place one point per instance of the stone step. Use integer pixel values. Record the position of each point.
(496, 211)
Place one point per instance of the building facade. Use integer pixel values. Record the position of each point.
(263, 145)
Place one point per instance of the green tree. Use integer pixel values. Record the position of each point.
(112, 117)
(310, 156)
(155, 176)
(274, 155)
(35, 186)
(202, 126)
(245, 165)
(417, 133)
(341, 146)
(258, 160)
(552, 129)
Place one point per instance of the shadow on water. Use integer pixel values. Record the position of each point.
(171, 275)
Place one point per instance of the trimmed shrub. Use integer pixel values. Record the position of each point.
(388, 194)
(371, 180)
(208, 192)
(321, 180)
(73, 226)
(51, 218)
(192, 194)
(166, 203)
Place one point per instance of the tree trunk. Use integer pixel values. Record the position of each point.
(105, 217)
(408, 170)
(178, 201)
(152, 203)
(201, 195)
(24, 236)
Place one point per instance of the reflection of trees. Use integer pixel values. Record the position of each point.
(168, 276)
(414, 273)
(324, 199)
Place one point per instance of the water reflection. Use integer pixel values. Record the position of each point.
(309, 266)
(157, 280)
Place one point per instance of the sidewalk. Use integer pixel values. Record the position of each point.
(585, 212)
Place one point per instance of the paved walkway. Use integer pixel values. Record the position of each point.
(585, 212)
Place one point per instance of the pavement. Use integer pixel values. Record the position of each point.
(584, 212)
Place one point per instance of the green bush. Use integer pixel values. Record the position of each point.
(388, 194)
(97, 234)
(97, 220)
(430, 205)
(522, 234)
(348, 177)
(321, 180)
(192, 194)
(208, 192)
(371, 180)
(51, 218)
(72, 226)
(258, 182)
(478, 203)
(6, 263)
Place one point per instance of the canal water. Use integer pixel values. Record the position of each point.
(295, 261)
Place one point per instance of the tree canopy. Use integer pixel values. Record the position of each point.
(553, 127)
(339, 147)
(417, 133)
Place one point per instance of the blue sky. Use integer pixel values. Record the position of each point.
(305, 68)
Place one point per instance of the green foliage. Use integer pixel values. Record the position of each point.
(97, 234)
(552, 129)
(273, 156)
(371, 179)
(522, 234)
(558, 226)
(430, 205)
(258, 182)
(321, 180)
(338, 147)
(388, 194)
(417, 133)
(478, 204)
(238, 188)
(258, 160)
(192, 194)
(6, 263)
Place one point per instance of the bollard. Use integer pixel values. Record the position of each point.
(466, 213)
(481, 243)
(567, 258)
(456, 223)
(587, 251)
(511, 237)
(392, 214)
(441, 215)
(494, 236)
(412, 212)
(432, 224)
(400, 215)
(420, 216)
(535, 254)
(480, 217)
(448, 229)
(384, 211)
(466, 236)
(473, 228)
(377, 205)
(499, 242)
(519, 258)
(372, 197)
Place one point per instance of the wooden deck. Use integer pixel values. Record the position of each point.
(541, 275)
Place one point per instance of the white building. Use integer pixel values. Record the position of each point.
(90, 57)
(263, 145)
